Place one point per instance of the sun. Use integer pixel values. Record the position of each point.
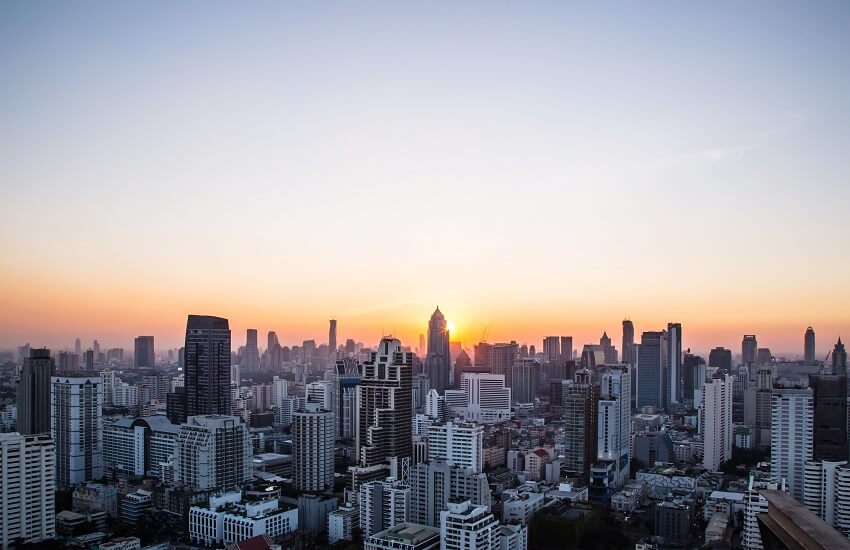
(450, 326)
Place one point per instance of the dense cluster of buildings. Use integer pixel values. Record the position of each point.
(423, 448)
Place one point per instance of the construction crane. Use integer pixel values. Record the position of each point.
(484, 336)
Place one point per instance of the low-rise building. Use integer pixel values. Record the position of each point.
(229, 519)
(405, 536)
(341, 523)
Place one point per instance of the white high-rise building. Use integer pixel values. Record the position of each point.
(826, 492)
(459, 444)
(321, 392)
(382, 504)
(435, 404)
(755, 504)
(613, 442)
(77, 416)
(27, 489)
(138, 447)
(716, 420)
(213, 451)
(434, 484)
(313, 449)
(791, 436)
(488, 400)
(467, 527)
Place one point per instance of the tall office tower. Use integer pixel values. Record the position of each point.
(809, 346)
(27, 486)
(613, 441)
(213, 452)
(763, 357)
(693, 378)
(829, 392)
(332, 339)
(488, 401)
(422, 349)
(78, 347)
(482, 354)
(96, 347)
(580, 400)
(68, 362)
(385, 400)
(628, 342)
(383, 504)
(438, 361)
(523, 351)
(716, 420)
(551, 349)
(251, 359)
(421, 388)
(77, 416)
(567, 347)
(34, 393)
(674, 363)
(720, 359)
(525, 377)
(652, 366)
(467, 527)
(609, 352)
(313, 449)
(791, 436)
(346, 379)
(749, 349)
(434, 484)
(144, 358)
(826, 492)
(273, 352)
(207, 366)
(90, 356)
(839, 359)
(502, 358)
(757, 408)
(308, 352)
(457, 443)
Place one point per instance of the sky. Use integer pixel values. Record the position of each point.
(533, 168)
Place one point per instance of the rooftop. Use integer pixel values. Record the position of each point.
(410, 533)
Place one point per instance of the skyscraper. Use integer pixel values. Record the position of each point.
(749, 348)
(551, 349)
(674, 363)
(791, 436)
(829, 392)
(332, 340)
(27, 489)
(609, 352)
(628, 342)
(438, 361)
(809, 346)
(143, 357)
(693, 377)
(580, 400)
(613, 442)
(77, 410)
(502, 357)
(567, 347)
(525, 377)
(839, 359)
(251, 357)
(716, 420)
(313, 449)
(207, 366)
(721, 359)
(34, 393)
(385, 399)
(652, 366)
(78, 347)
(213, 452)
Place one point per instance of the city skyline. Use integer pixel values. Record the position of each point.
(669, 163)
